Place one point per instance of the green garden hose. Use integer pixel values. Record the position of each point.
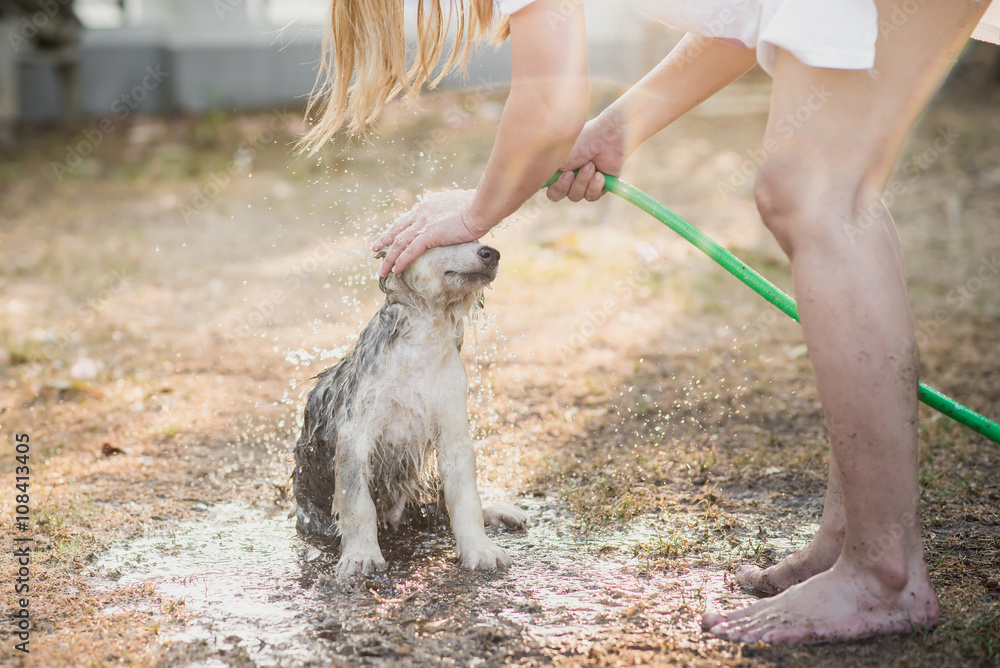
(933, 398)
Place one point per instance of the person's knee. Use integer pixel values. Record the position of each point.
(802, 202)
(784, 192)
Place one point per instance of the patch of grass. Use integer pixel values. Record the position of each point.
(606, 503)
(165, 432)
(754, 550)
(703, 463)
(972, 636)
(24, 352)
(663, 551)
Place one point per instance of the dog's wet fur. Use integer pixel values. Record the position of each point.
(377, 420)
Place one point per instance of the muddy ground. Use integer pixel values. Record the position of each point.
(168, 295)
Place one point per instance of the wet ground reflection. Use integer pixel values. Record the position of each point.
(257, 595)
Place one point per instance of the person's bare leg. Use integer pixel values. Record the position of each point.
(819, 193)
(816, 557)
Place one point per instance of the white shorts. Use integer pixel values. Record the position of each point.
(838, 34)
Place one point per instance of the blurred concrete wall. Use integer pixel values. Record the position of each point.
(198, 55)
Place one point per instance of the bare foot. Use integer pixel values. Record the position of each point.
(841, 603)
(819, 555)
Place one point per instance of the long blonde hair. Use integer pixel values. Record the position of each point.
(364, 58)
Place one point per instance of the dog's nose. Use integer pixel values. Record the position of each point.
(489, 255)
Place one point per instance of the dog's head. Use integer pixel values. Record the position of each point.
(444, 275)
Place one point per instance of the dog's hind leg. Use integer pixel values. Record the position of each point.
(457, 467)
(357, 518)
(500, 514)
(395, 514)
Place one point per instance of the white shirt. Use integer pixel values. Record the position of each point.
(838, 34)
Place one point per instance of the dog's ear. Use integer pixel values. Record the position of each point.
(381, 281)
(459, 334)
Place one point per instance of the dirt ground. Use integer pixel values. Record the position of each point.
(170, 289)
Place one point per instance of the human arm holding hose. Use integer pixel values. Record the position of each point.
(683, 80)
(541, 120)
(679, 83)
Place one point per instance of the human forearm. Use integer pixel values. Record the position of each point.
(545, 111)
(536, 133)
(679, 83)
(543, 116)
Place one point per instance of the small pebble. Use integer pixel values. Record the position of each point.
(109, 450)
(991, 583)
(83, 369)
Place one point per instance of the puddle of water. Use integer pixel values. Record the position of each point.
(238, 571)
(257, 593)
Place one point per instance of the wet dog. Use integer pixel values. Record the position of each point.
(376, 421)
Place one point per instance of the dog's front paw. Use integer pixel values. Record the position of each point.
(359, 563)
(501, 514)
(483, 555)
